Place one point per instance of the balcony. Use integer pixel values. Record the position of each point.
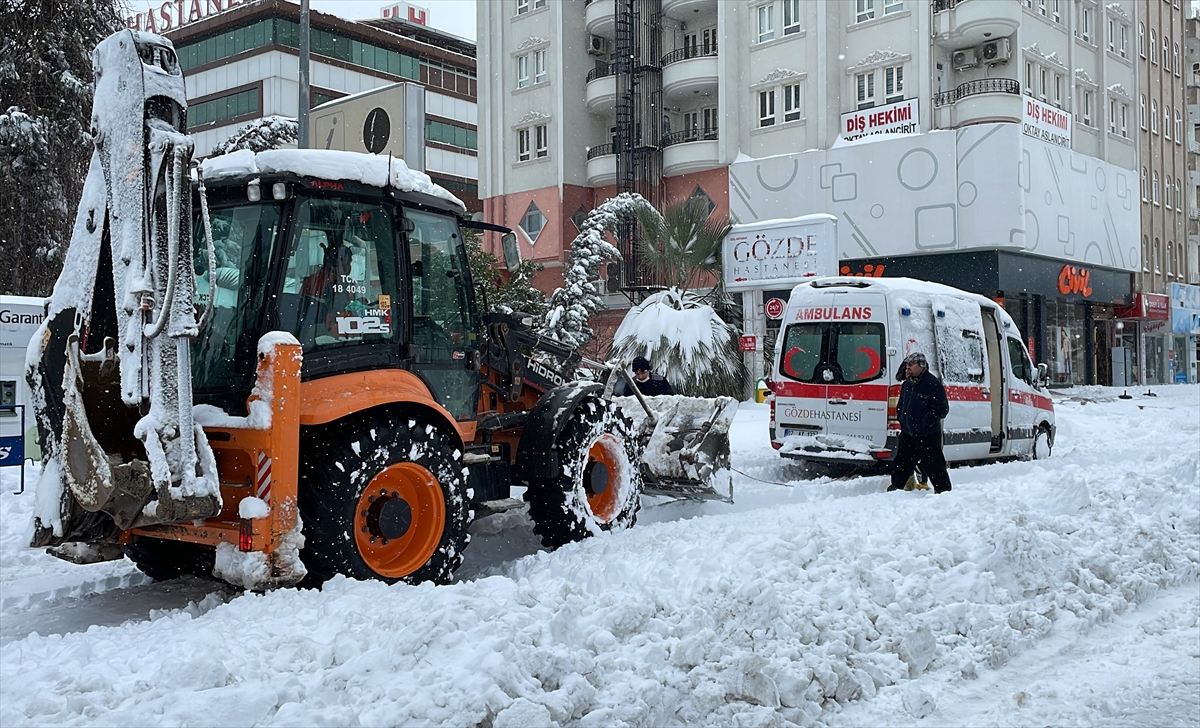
(684, 9)
(690, 150)
(600, 92)
(600, 18)
(601, 165)
(690, 71)
(965, 23)
(982, 101)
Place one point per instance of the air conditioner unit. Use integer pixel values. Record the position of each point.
(597, 45)
(996, 51)
(963, 59)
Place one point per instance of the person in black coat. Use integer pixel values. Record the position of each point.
(648, 382)
(923, 406)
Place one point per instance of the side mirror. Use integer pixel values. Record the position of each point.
(1043, 377)
(512, 251)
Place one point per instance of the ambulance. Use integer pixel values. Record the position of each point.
(833, 382)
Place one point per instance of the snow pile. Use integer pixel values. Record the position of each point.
(269, 132)
(825, 602)
(329, 164)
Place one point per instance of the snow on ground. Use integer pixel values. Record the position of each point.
(1056, 592)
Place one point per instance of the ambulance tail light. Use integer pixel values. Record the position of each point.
(893, 418)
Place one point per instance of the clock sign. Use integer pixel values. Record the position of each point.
(376, 130)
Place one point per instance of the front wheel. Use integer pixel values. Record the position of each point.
(1042, 444)
(382, 497)
(599, 486)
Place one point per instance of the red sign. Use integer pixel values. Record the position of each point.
(1074, 280)
(1148, 306)
(775, 308)
(749, 343)
(868, 271)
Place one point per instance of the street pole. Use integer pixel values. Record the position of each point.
(302, 117)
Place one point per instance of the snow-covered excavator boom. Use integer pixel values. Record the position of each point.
(110, 367)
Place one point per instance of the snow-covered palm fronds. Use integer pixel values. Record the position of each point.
(572, 305)
(269, 132)
(685, 341)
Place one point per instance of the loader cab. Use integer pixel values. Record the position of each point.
(364, 277)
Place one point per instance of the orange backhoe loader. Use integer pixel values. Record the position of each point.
(271, 368)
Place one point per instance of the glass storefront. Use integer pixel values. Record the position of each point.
(1065, 343)
(1156, 359)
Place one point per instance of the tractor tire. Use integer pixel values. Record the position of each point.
(162, 560)
(600, 485)
(382, 497)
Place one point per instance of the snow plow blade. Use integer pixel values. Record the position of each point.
(686, 445)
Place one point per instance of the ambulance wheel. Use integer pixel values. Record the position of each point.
(382, 497)
(1042, 444)
(600, 484)
(162, 560)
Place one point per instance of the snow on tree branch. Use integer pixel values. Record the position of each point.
(269, 132)
(572, 305)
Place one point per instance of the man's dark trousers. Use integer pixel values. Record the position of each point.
(925, 450)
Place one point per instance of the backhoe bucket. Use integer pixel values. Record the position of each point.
(686, 452)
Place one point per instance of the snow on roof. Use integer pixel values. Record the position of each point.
(890, 285)
(330, 164)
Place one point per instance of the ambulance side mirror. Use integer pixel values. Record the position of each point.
(1043, 377)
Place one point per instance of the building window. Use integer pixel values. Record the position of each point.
(522, 71)
(1085, 24)
(865, 87)
(523, 146)
(1166, 58)
(892, 6)
(437, 131)
(1167, 121)
(1178, 127)
(1028, 78)
(1124, 109)
(1175, 61)
(791, 17)
(1086, 111)
(1058, 11)
(1058, 88)
(522, 7)
(533, 222)
(1145, 186)
(1153, 116)
(791, 102)
(1142, 112)
(893, 83)
(215, 111)
(1153, 42)
(1154, 254)
(1042, 8)
(1142, 40)
(539, 4)
(1123, 40)
(541, 137)
(1178, 195)
(1170, 259)
(1167, 192)
(766, 23)
(710, 122)
(1145, 254)
(1154, 187)
(539, 66)
(766, 108)
(1112, 35)
(1045, 83)
(865, 10)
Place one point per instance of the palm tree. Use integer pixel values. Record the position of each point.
(678, 329)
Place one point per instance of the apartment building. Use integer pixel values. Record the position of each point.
(240, 62)
(1162, 160)
(1185, 296)
(987, 144)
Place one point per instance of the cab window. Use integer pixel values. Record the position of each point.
(340, 285)
(1019, 360)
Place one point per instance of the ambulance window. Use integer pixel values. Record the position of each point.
(1018, 360)
(802, 351)
(860, 352)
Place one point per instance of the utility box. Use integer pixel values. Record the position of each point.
(1122, 367)
(20, 317)
(385, 120)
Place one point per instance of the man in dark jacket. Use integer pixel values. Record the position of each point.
(923, 406)
(647, 381)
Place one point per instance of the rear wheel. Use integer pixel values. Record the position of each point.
(382, 497)
(1041, 444)
(162, 560)
(600, 484)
